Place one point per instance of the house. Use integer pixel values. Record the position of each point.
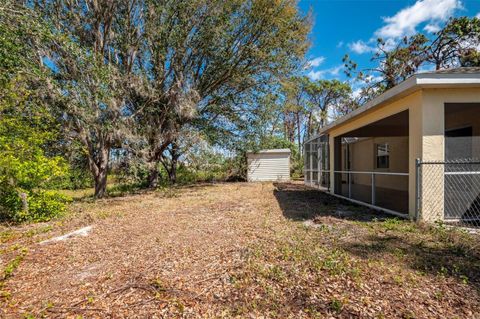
(268, 165)
(397, 152)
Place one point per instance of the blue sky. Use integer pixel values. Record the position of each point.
(351, 26)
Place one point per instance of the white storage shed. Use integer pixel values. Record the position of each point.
(269, 165)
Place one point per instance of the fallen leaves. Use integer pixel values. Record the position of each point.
(240, 250)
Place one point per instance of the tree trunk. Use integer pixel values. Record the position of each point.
(155, 158)
(101, 184)
(153, 177)
(172, 173)
(23, 198)
(299, 135)
(98, 156)
(99, 167)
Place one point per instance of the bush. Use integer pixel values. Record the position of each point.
(43, 205)
(186, 175)
(132, 172)
(74, 178)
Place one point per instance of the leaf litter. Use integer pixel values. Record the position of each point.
(239, 251)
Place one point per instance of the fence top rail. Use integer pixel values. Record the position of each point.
(463, 173)
(370, 173)
(456, 162)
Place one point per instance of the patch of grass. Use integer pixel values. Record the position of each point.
(102, 214)
(399, 280)
(168, 191)
(39, 230)
(8, 271)
(78, 194)
(408, 314)
(398, 225)
(158, 285)
(13, 264)
(336, 305)
(118, 190)
(6, 236)
(274, 272)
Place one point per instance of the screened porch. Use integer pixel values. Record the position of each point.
(370, 164)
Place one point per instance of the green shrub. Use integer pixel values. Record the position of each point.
(132, 172)
(74, 178)
(43, 205)
(186, 175)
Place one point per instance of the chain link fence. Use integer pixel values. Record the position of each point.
(449, 191)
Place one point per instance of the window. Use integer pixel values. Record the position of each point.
(382, 155)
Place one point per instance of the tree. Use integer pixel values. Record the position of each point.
(133, 74)
(204, 57)
(308, 105)
(93, 64)
(454, 43)
(470, 58)
(94, 111)
(27, 123)
(393, 65)
(297, 106)
(329, 98)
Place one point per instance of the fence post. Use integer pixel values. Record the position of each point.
(349, 185)
(417, 188)
(319, 166)
(311, 164)
(373, 189)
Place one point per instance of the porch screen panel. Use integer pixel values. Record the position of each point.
(373, 164)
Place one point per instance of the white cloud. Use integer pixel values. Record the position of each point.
(478, 15)
(322, 74)
(374, 79)
(336, 70)
(356, 93)
(432, 28)
(341, 44)
(406, 20)
(316, 75)
(360, 47)
(315, 62)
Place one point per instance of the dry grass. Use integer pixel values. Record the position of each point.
(237, 250)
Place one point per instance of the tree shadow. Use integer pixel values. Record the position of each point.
(299, 202)
(448, 253)
(428, 249)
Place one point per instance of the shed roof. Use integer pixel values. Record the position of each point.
(276, 150)
(448, 78)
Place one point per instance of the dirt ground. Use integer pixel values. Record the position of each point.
(236, 250)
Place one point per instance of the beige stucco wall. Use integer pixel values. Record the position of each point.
(433, 101)
(433, 147)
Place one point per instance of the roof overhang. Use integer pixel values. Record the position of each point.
(417, 82)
